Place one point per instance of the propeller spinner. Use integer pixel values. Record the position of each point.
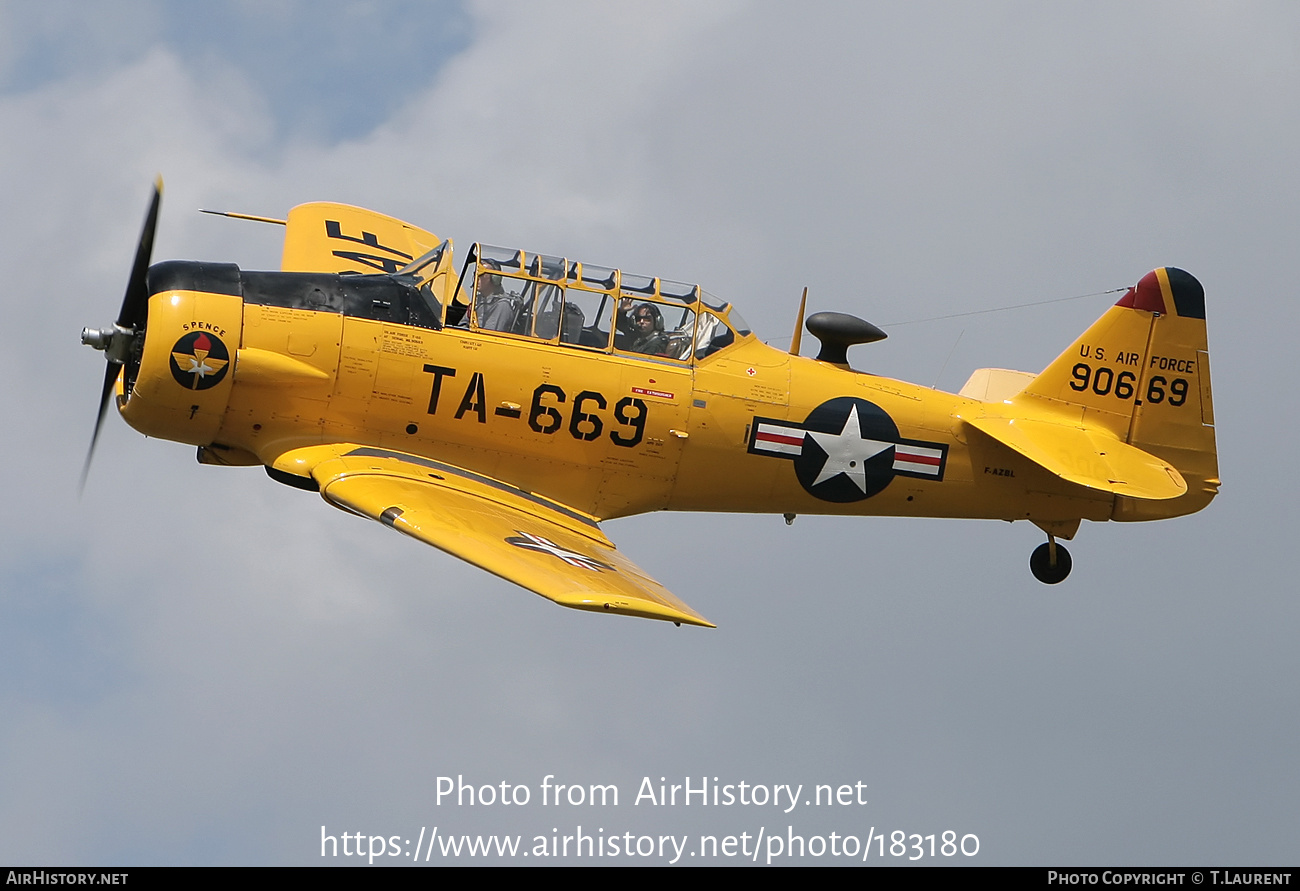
(120, 340)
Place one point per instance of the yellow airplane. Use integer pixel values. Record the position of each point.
(502, 409)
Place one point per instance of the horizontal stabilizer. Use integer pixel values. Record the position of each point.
(1086, 457)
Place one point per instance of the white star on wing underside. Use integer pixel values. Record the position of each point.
(847, 452)
(545, 545)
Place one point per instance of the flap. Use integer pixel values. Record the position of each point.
(525, 538)
(1088, 458)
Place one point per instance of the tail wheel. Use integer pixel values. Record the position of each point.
(1050, 563)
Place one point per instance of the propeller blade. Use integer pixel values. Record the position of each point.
(110, 380)
(131, 318)
(135, 303)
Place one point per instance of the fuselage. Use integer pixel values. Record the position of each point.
(313, 359)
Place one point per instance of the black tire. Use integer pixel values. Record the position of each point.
(1040, 564)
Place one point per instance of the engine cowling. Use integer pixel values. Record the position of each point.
(181, 385)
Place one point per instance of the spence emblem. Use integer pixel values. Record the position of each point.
(199, 361)
(847, 449)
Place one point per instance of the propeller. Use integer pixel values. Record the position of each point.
(118, 341)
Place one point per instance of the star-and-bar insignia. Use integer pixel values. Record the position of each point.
(847, 449)
(531, 542)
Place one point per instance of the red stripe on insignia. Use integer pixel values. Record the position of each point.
(914, 458)
(764, 436)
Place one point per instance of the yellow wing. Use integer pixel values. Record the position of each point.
(327, 237)
(1087, 457)
(532, 541)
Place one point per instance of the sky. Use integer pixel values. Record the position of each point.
(198, 666)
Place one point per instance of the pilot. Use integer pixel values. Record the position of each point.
(643, 329)
(493, 308)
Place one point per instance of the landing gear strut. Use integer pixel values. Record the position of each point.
(1050, 563)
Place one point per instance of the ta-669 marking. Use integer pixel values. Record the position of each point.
(545, 415)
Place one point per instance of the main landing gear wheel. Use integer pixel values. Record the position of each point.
(1050, 563)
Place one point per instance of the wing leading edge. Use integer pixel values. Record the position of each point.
(522, 537)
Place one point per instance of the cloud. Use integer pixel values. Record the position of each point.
(203, 667)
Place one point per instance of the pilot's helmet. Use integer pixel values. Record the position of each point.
(489, 280)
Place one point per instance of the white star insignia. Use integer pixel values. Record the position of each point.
(537, 543)
(847, 452)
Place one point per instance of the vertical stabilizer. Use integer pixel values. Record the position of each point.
(1142, 374)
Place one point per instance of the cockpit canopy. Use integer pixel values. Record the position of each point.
(578, 305)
